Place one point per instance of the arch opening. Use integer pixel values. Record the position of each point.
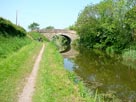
(62, 42)
(68, 38)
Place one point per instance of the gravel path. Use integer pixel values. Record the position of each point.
(27, 93)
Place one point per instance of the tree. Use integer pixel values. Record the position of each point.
(130, 22)
(49, 27)
(33, 26)
(72, 27)
(106, 25)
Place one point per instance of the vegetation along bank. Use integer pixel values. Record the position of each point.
(18, 53)
(109, 26)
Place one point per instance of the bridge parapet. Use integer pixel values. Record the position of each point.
(57, 31)
(50, 33)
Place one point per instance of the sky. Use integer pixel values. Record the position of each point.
(58, 13)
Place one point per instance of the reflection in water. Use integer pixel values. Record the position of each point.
(104, 73)
(68, 64)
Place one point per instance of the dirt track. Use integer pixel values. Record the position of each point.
(27, 93)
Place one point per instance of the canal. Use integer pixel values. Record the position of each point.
(108, 74)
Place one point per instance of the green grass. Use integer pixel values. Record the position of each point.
(14, 70)
(129, 57)
(36, 36)
(130, 54)
(9, 45)
(55, 84)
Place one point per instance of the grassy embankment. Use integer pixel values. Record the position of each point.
(17, 56)
(14, 69)
(54, 84)
(12, 38)
(9, 45)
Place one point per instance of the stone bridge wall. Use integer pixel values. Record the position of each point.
(50, 33)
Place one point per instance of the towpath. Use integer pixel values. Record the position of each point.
(28, 90)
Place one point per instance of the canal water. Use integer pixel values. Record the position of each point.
(107, 74)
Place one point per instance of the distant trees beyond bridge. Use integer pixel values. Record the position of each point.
(49, 33)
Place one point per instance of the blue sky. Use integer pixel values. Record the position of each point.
(57, 13)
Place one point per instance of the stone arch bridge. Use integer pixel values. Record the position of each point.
(66, 33)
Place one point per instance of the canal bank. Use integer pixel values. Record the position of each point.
(55, 84)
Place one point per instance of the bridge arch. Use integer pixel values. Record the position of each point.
(66, 36)
(69, 34)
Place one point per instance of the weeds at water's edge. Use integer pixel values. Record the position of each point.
(91, 95)
(84, 91)
(129, 57)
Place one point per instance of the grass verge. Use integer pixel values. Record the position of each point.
(14, 69)
(36, 36)
(54, 84)
(9, 45)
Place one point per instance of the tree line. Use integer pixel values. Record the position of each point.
(109, 25)
(35, 26)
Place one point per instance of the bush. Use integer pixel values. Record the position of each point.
(7, 28)
(107, 25)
